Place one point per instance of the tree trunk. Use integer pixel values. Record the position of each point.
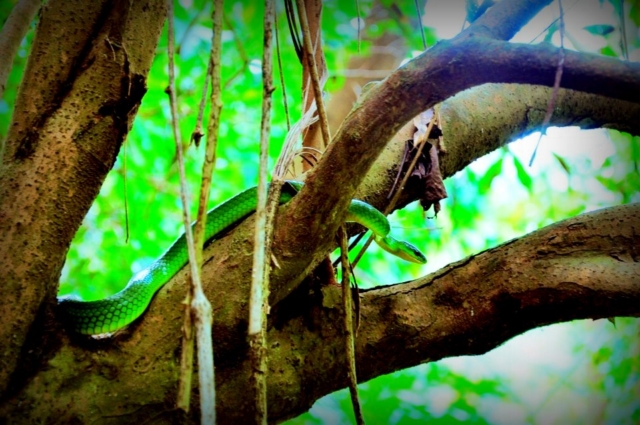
(84, 81)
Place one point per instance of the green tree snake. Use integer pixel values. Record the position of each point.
(119, 310)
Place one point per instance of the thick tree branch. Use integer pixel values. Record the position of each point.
(436, 75)
(584, 267)
(140, 365)
(229, 259)
(482, 119)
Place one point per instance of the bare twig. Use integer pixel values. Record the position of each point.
(259, 299)
(241, 52)
(197, 132)
(556, 87)
(284, 88)
(186, 364)
(124, 188)
(349, 340)
(190, 26)
(624, 44)
(197, 305)
(313, 71)
(200, 305)
(424, 39)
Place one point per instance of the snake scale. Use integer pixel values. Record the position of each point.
(119, 310)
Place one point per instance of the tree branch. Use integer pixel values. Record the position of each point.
(580, 268)
(436, 75)
(482, 119)
(584, 267)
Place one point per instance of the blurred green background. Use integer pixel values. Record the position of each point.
(580, 372)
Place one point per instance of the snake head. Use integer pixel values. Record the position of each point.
(401, 249)
(411, 253)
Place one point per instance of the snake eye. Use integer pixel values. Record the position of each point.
(412, 254)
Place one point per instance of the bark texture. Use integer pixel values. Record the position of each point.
(84, 81)
(432, 77)
(75, 107)
(584, 267)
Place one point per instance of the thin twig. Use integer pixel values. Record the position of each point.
(556, 87)
(200, 305)
(424, 39)
(187, 30)
(313, 72)
(359, 30)
(241, 52)
(284, 87)
(624, 44)
(197, 132)
(552, 22)
(186, 364)
(349, 340)
(197, 304)
(259, 299)
(124, 189)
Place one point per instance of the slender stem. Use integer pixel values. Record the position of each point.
(186, 364)
(349, 340)
(200, 305)
(284, 87)
(313, 71)
(197, 133)
(424, 39)
(259, 298)
(556, 86)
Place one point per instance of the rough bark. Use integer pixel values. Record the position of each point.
(75, 108)
(482, 119)
(472, 58)
(146, 356)
(584, 267)
(82, 86)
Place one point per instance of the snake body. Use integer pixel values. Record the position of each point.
(117, 311)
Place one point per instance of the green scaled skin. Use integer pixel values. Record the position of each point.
(119, 310)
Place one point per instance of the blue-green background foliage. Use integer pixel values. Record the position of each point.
(568, 373)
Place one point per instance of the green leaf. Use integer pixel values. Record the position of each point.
(523, 176)
(609, 183)
(552, 30)
(634, 13)
(601, 30)
(485, 181)
(608, 51)
(563, 163)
